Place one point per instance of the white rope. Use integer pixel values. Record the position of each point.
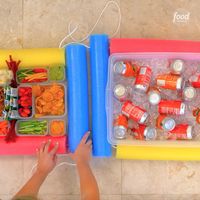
(71, 32)
(74, 43)
(61, 42)
(57, 166)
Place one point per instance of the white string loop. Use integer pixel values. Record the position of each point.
(71, 32)
(59, 165)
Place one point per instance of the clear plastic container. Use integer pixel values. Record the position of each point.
(65, 102)
(31, 134)
(160, 63)
(5, 76)
(58, 135)
(56, 80)
(48, 118)
(31, 116)
(8, 123)
(49, 79)
(32, 68)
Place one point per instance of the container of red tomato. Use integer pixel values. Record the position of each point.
(25, 102)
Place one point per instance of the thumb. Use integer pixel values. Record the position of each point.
(37, 152)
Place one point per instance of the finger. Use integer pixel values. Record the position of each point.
(46, 148)
(37, 152)
(54, 150)
(89, 142)
(85, 137)
(55, 159)
(42, 147)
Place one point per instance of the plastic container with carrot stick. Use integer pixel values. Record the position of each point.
(4, 127)
(36, 75)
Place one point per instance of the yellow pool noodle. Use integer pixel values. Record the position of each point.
(157, 153)
(39, 57)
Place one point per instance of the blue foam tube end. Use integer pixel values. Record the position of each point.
(78, 121)
(99, 53)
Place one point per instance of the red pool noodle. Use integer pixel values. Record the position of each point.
(125, 45)
(27, 145)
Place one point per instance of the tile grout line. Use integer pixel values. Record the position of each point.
(120, 37)
(166, 179)
(121, 19)
(22, 24)
(23, 169)
(121, 177)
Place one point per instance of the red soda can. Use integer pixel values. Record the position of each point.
(120, 126)
(143, 79)
(134, 112)
(171, 107)
(144, 133)
(195, 80)
(181, 132)
(169, 81)
(126, 68)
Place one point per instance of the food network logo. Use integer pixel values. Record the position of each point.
(181, 16)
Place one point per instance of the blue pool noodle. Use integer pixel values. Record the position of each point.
(99, 53)
(78, 125)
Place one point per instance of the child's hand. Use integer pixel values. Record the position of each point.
(46, 159)
(83, 151)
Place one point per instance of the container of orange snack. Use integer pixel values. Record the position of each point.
(57, 128)
(50, 100)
